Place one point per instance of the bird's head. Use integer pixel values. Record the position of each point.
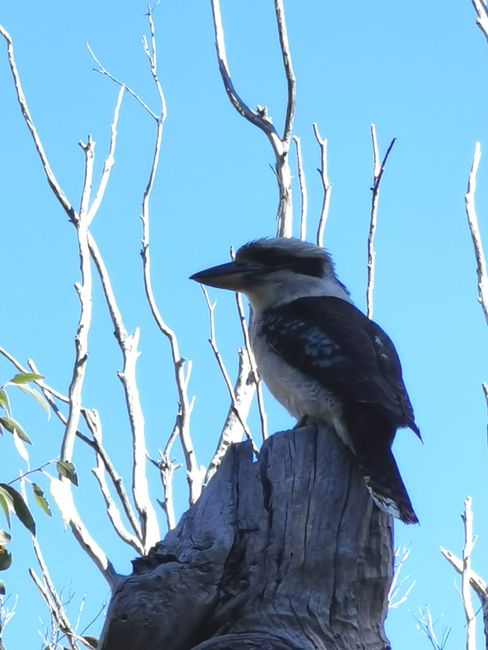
(273, 271)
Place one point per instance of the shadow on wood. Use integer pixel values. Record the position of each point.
(287, 552)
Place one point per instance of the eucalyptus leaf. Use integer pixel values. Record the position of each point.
(4, 537)
(6, 504)
(12, 425)
(25, 377)
(40, 399)
(67, 469)
(20, 507)
(41, 499)
(4, 402)
(5, 558)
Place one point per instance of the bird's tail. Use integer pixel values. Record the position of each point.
(385, 484)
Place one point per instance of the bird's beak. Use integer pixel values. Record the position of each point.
(224, 276)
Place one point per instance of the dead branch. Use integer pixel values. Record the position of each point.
(475, 232)
(51, 178)
(103, 71)
(477, 583)
(260, 117)
(182, 369)
(327, 187)
(378, 170)
(290, 75)
(303, 188)
(469, 542)
(481, 9)
(256, 379)
(213, 344)
(232, 430)
(51, 597)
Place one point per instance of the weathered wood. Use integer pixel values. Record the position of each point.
(287, 552)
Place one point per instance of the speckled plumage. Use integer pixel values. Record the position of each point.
(323, 358)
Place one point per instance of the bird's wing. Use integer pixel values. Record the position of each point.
(331, 340)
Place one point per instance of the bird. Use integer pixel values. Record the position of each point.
(322, 358)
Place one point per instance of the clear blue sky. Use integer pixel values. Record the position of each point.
(418, 70)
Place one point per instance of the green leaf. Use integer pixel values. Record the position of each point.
(12, 425)
(43, 403)
(4, 537)
(41, 499)
(67, 469)
(5, 558)
(20, 507)
(25, 377)
(2, 588)
(4, 401)
(21, 447)
(5, 503)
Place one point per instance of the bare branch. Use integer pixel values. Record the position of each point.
(303, 188)
(182, 370)
(327, 187)
(378, 169)
(232, 429)
(109, 161)
(477, 583)
(290, 75)
(84, 290)
(51, 179)
(482, 15)
(223, 370)
(395, 600)
(51, 597)
(260, 117)
(255, 373)
(128, 345)
(475, 232)
(103, 71)
(426, 625)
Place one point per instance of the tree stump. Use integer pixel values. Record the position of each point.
(284, 553)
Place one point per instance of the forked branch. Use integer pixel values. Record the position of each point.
(260, 117)
(378, 170)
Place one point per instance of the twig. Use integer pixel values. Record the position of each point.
(426, 625)
(103, 71)
(475, 232)
(109, 160)
(92, 420)
(223, 370)
(287, 63)
(51, 597)
(394, 599)
(252, 361)
(303, 188)
(51, 178)
(182, 369)
(481, 9)
(326, 186)
(378, 169)
(232, 429)
(260, 117)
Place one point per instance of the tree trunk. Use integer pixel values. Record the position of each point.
(286, 552)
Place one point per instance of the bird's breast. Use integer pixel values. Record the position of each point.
(299, 394)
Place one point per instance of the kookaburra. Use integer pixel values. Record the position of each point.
(322, 358)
